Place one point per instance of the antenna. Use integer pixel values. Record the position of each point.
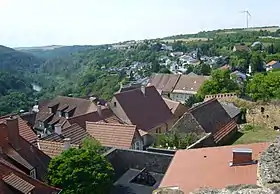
(247, 17)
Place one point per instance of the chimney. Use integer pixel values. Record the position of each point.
(99, 111)
(50, 110)
(13, 132)
(143, 90)
(241, 156)
(57, 129)
(67, 143)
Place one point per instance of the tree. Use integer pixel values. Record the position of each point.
(82, 170)
(257, 62)
(264, 87)
(220, 82)
(165, 70)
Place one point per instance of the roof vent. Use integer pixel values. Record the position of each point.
(242, 156)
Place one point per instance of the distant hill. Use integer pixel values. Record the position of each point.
(54, 51)
(16, 62)
(205, 35)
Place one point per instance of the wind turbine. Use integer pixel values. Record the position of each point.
(247, 17)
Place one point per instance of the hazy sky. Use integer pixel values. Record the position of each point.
(68, 22)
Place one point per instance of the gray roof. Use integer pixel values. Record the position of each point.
(230, 108)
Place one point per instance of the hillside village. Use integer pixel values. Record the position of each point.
(130, 127)
(149, 117)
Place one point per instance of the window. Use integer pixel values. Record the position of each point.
(158, 130)
(115, 104)
(66, 115)
(59, 113)
(137, 145)
(33, 173)
(41, 124)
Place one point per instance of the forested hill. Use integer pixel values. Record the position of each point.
(17, 62)
(51, 52)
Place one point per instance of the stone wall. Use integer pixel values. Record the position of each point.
(221, 96)
(122, 160)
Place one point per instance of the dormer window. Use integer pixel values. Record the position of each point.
(59, 113)
(41, 124)
(115, 104)
(33, 173)
(66, 115)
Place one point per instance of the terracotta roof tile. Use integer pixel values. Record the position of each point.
(74, 132)
(190, 84)
(271, 63)
(112, 135)
(107, 117)
(164, 82)
(52, 149)
(25, 130)
(146, 111)
(209, 167)
(82, 105)
(10, 177)
(18, 183)
(177, 108)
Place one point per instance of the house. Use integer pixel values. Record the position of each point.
(102, 115)
(233, 111)
(177, 108)
(115, 135)
(176, 54)
(54, 149)
(186, 87)
(241, 77)
(164, 83)
(258, 44)
(225, 67)
(177, 87)
(272, 65)
(137, 172)
(21, 153)
(143, 107)
(241, 48)
(60, 109)
(208, 121)
(214, 167)
(25, 131)
(13, 180)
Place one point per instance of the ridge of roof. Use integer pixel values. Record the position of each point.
(110, 124)
(202, 104)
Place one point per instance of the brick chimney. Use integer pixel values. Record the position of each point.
(67, 143)
(13, 132)
(57, 129)
(241, 156)
(99, 111)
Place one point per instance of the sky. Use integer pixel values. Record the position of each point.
(90, 22)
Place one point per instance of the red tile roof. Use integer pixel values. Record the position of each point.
(11, 177)
(146, 111)
(177, 108)
(164, 82)
(27, 156)
(271, 63)
(51, 148)
(190, 84)
(112, 135)
(25, 130)
(107, 117)
(209, 167)
(18, 183)
(76, 133)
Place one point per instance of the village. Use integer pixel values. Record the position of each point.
(154, 142)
